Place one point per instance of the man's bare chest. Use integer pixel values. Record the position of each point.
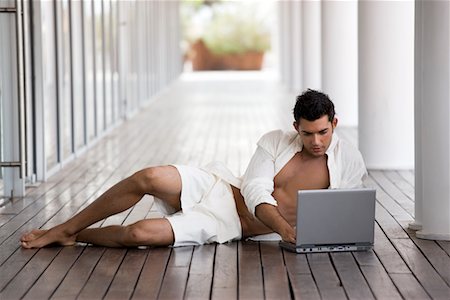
(300, 173)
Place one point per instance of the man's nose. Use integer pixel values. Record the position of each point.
(316, 139)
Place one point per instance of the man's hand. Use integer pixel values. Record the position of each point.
(271, 217)
(289, 235)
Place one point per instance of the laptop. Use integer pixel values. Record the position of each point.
(334, 220)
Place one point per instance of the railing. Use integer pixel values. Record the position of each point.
(14, 181)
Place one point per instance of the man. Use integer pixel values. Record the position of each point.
(205, 205)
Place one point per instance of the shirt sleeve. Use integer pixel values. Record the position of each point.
(354, 172)
(257, 185)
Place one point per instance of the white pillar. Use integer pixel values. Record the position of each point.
(312, 48)
(340, 58)
(418, 194)
(285, 53)
(386, 83)
(432, 122)
(296, 37)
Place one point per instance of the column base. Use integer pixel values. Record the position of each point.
(433, 236)
(415, 226)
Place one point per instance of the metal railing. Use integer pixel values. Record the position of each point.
(21, 163)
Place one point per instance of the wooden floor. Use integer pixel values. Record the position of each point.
(196, 121)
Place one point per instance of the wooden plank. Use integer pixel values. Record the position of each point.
(398, 212)
(300, 277)
(4, 218)
(376, 276)
(390, 226)
(434, 253)
(24, 280)
(422, 269)
(225, 282)
(176, 274)
(126, 277)
(276, 284)
(251, 285)
(408, 175)
(401, 183)
(393, 191)
(139, 211)
(328, 283)
(199, 283)
(351, 277)
(100, 279)
(15, 263)
(153, 271)
(54, 274)
(387, 254)
(438, 258)
(76, 277)
(409, 287)
(445, 245)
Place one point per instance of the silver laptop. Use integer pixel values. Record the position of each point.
(334, 220)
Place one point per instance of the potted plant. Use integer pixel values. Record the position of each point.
(232, 36)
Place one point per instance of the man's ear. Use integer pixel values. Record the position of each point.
(334, 122)
(295, 125)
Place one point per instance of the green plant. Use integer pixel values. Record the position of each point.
(233, 33)
(228, 27)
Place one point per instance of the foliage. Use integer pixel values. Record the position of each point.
(227, 27)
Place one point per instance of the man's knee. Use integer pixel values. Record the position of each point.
(135, 236)
(141, 234)
(146, 179)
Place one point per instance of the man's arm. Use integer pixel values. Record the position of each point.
(271, 217)
(258, 186)
(257, 183)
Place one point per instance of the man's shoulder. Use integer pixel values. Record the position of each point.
(349, 152)
(274, 138)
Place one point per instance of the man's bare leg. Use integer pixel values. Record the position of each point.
(161, 182)
(154, 232)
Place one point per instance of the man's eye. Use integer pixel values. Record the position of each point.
(323, 132)
(306, 133)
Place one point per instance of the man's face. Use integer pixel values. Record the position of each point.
(316, 135)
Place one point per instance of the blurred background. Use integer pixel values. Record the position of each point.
(229, 35)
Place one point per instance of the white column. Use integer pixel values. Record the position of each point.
(432, 123)
(284, 37)
(386, 83)
(311, 41)
(297, 47)
(340, 58)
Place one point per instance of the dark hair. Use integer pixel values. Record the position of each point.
(312, 105)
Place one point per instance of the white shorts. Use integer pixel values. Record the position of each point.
(208, 210)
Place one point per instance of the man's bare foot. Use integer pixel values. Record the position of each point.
(39, 238)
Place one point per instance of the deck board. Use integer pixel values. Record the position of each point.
(276, 284)
(225, 280)
(351, 277)
(250, 271)
(152, 274)
(195, 122)
(201, 272)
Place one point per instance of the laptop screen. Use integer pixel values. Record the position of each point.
(335, 217)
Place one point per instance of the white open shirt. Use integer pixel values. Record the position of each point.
(345, 165)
